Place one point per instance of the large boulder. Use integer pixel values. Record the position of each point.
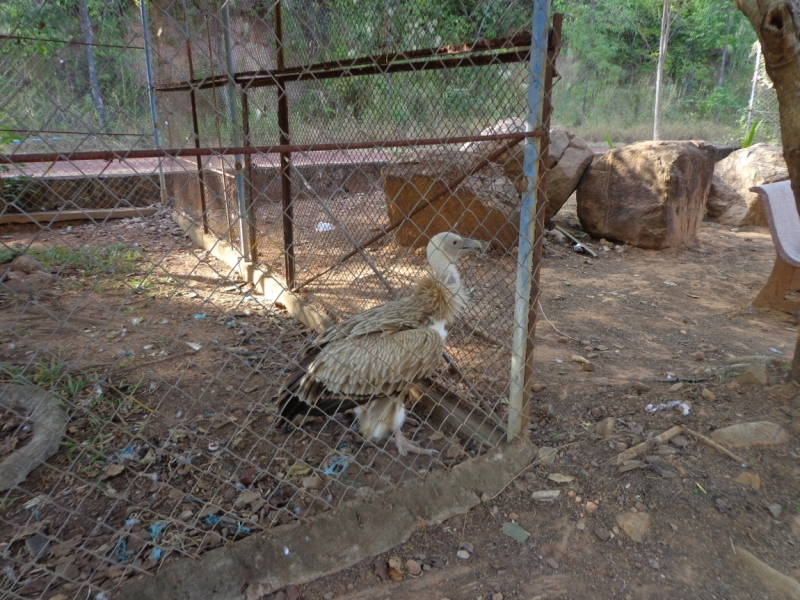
(649, 194)
(731, 200)
(568, 157)
(485, 206)
(725, 203)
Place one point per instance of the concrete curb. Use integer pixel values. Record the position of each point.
(297, 553)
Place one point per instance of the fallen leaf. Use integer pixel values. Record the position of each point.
(436, 436)
(111, 471)
(559, 478)
(298, 469)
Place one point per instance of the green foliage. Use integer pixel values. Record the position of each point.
(750, 134)
(608, 140)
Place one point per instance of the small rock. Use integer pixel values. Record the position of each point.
(665, 450)
(292, 593)
(775, 509)
(640, 387)
(641, 507)
(699, 356)
(466, 546)
(675, 387)
(413, 567)
(545, 495)
(681, 441)
(757, 433)
(538, 387)
(755, 374)
(186, 515)
(485, 498)
(248, 476)
(546, 455)
(653, 564)
(709, 395)
(635, 525)
(620, 446)
(463, 554)
(605, 427)
(602, 534)
(591, 507)
(588, 367)
(454, 450)
(580, 525)
(552, 562)
(723, 506)
(513, 516)
(312, 482)
(513, 530)
(497, 596)
(749, 479)
(381, 569)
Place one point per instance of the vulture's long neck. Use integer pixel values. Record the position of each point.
(443, 291)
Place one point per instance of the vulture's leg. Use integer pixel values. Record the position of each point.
(405, 445)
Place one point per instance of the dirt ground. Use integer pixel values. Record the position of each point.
(636, 315)
(641, 314)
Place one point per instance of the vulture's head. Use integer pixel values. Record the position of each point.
(445, 248)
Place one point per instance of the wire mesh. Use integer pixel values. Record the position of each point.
(164, 342)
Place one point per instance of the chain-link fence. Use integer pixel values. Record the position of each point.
(763, 106)
(217, 362)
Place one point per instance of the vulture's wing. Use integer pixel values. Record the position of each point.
(392, 317)
(352, 371)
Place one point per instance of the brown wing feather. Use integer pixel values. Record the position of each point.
(353, 371)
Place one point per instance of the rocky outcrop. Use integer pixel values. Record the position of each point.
(485, 206)
(650, 194)
(568, 157)
(725, 203)
(730, 199)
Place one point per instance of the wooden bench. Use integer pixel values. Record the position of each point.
(784, 224)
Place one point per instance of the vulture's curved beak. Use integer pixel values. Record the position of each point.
(469, 246)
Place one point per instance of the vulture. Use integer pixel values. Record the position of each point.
(369, 362)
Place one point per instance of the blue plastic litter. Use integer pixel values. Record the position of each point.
(200, 316)
(121, 553)
(241, 529)
(343, 445)
(336, 466)
(157, 530)
(129, 452)
(156, 554)
(211, 519)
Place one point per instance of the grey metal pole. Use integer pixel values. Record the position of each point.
(753, 88)
(152, 95)
(527, 220)
(244, 229)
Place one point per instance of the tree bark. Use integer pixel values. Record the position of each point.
(666, 22)
(94, 81)
(777, 24)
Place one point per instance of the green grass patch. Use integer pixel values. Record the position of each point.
(117, 258)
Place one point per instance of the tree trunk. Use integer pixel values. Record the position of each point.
(777, 24)
(666, 22)
(588, 64)
(724, 58)
(94, 82)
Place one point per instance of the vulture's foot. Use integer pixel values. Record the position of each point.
(404, 446)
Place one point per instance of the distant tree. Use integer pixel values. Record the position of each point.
(94, 82)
